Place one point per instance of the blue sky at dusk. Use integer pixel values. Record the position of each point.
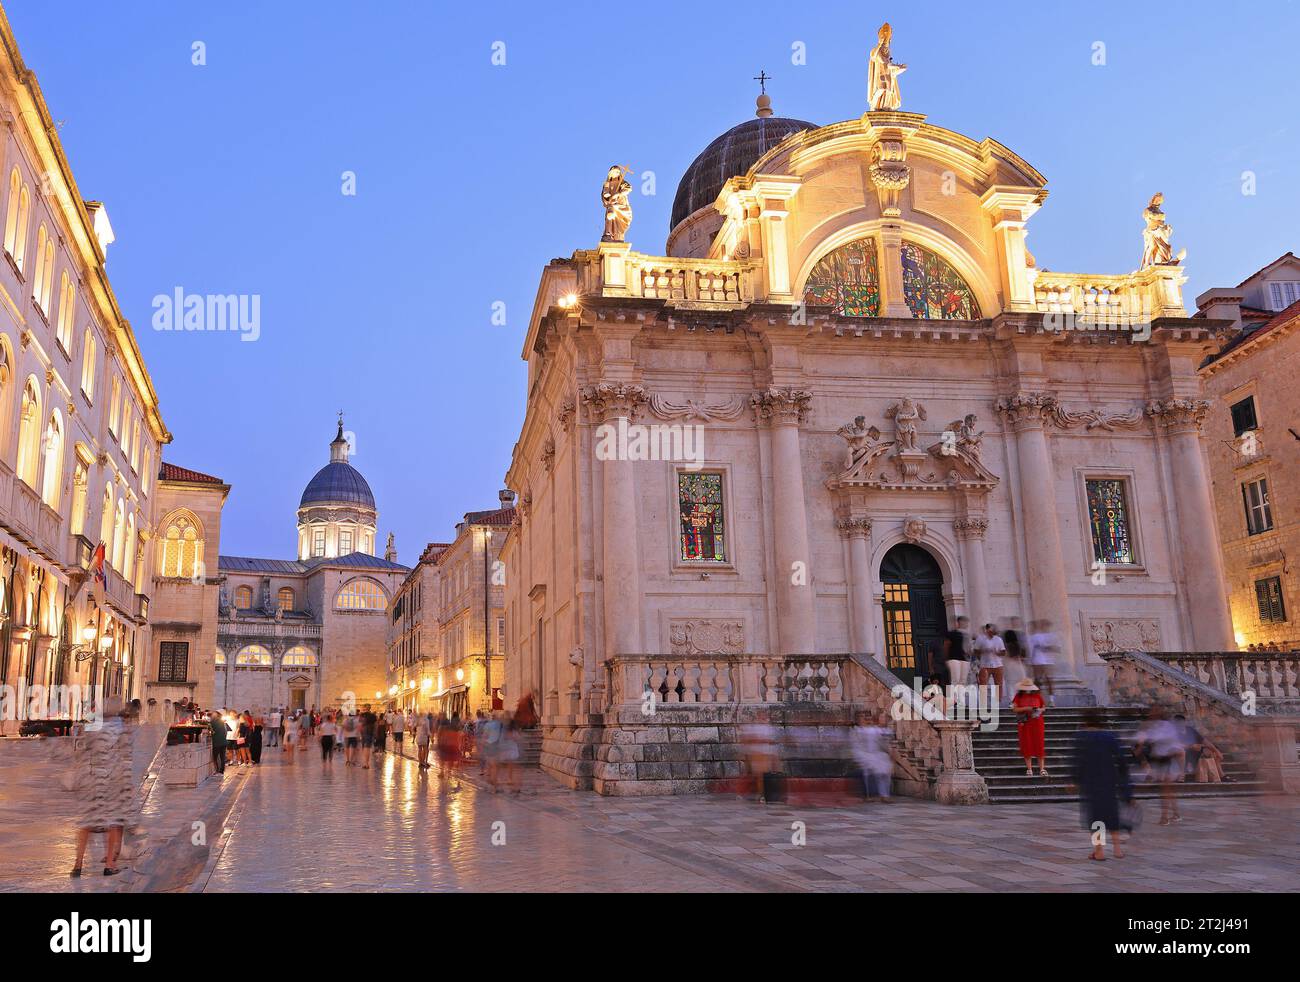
(226, 178)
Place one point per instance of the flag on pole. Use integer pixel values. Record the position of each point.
(98, 579)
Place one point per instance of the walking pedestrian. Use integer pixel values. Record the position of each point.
(397, 722)
(351, 738)
(1031, 728)
(449, 750)
(381, 732)
(422, 742)
(255, 740)
(1159, 742)
(328, 731)
(368, 723)
(217, 729)
(989, 649)
(290, 739)
(869, 744)
(103, 761)
(1101, 773)
(273, 723)
(1044, 646)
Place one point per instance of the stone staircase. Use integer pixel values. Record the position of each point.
(998, 761)
(530, 747)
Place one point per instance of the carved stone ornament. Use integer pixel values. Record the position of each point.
(1178, 413)
(914, 529)
(565, 415)
(905, 414)
(853, 527)
(707, 637)
(611, 400)
(973, 527)
(860, 438)
(1096, 419)
(962, 433)
(1124, 634)
(780, 405)
(693, 409)
(1026, 407)
(548, 453)
(889, 174)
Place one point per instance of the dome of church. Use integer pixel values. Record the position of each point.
(336, 483)
(730, 155)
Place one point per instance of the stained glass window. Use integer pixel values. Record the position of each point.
(1108, 517)
(703, 529)
(848, 280)
(933, 289)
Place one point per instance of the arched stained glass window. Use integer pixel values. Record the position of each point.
(847, 280)
(933, 289)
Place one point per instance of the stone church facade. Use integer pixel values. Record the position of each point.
(846, 407)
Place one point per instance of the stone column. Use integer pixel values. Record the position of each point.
(970, 533)
(1026, 414)
(858, 533)
(784, 410)
(615, 405)
(1207, 590)
(893, 302)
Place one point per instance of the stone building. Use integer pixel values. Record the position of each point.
(843, 408)
(80, 428)
(437, 655)
(310, 631)
(1251, 434)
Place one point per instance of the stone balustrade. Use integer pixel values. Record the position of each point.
(745, 679)
(1272, 677)
(268, 629)
(1108, 302)
(706, 282)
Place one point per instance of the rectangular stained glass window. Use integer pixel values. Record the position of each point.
(1108, 517)
(703, 525)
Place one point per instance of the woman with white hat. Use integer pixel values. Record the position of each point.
(1028, 706)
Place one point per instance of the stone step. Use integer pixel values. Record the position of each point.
(1142, 793)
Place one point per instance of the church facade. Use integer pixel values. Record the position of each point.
(845, 407)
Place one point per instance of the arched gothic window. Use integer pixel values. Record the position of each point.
(181, 546)
(361, 595)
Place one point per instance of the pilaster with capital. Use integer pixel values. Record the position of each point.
(612, 403)
(1024, 413)
(784, 409)
(858, 533)
(1207, 590)
(970, 533)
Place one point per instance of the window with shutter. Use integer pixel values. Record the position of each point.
(1243, 416)
(1268, 597)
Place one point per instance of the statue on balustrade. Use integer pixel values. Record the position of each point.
(1157, 237)
(882, 80)
(618, 210)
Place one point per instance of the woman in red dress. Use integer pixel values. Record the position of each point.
(1028, 706)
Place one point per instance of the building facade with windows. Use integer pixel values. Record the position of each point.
(843, 408)
(80, 428)
(312, 631)
(441, 657)
(1253, 438)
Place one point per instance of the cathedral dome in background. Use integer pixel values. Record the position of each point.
(337, 483)
(730, 155)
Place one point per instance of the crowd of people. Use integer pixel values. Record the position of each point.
(489, 741)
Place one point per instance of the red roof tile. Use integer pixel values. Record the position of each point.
(171, 472)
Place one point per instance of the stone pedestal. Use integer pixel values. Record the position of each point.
(186, 765)
(1278, 766)
(958, 783)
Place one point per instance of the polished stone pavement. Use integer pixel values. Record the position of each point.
(315, 827)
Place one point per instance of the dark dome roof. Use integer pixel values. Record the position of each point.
(730, 155)
(335, 483)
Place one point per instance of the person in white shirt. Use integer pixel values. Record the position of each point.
(397, 724)
(1043, 646)
(273, 728)
(989, 650)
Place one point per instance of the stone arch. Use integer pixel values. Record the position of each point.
(946, 247)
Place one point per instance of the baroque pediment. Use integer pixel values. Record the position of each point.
(887, 467)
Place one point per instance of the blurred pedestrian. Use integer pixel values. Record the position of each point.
(290, 739)
(217, 731)
(869, 744)
(1044, 646)
(1016, 660)
(507, 755)
(381, 732)
(1031, 729)
(328, 732)
(1101, 773)
(1159, 743)
(273, 723)
(422, 737)
(449, 750)
(255, 740)
(103, 757)
(758, 739)
(368, 723)
(397, 726)
(989, 649)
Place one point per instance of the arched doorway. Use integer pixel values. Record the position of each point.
(913, 608)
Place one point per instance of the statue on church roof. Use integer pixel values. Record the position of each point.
(390, 551)
(1157, 244)
(882, 82)
(618, 210)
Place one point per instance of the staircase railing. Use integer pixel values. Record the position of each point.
(1269, 679)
